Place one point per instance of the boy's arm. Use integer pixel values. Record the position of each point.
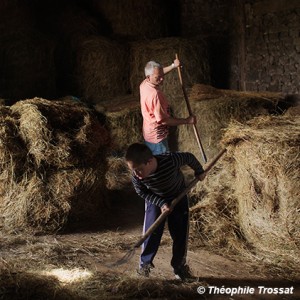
(187, 158)
(146, 194)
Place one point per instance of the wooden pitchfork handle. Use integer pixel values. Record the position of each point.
(191, 113)
(163, 216)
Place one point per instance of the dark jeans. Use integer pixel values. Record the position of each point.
(178, 224)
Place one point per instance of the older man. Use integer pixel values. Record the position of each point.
(156, 109)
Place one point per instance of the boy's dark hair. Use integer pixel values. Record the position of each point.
(138, 153)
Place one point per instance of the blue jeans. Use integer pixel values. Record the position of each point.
(158, 148)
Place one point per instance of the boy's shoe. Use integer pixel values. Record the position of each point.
(145, 270)
(184, 273)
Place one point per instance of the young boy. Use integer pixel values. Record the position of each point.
(158, 180)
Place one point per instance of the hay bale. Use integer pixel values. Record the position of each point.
(16, 15)
(69, 19)
(61, 150)
(101, 68)
(192, 54)
(267, 168)
(250, 203)
(214, 109)
(122, 17)
(124, 120)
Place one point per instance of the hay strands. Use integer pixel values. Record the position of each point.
(127, 257)
(191, 113)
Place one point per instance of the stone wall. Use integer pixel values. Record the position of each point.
(268, 54)
(253, 45)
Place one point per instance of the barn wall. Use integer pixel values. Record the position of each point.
(268, 54)
(252, 45)
(210, 20)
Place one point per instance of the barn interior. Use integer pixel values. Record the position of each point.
(69, 108)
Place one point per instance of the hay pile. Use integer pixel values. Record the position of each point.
(101, 70)
(192, 54)
(215, 109)
(252, 198)
(52, 165)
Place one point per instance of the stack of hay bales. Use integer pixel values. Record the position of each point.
(134, 19)
(251, 200)
(52, 165)
(192, 54)
(214, 109)
(27, 66)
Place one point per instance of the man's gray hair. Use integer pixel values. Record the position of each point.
(150, 66)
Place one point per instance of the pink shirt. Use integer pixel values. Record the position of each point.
(154, 107)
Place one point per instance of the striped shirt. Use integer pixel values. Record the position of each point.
(167, 181)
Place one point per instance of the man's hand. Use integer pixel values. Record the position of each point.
(164, 208)
(176, 63)
(191, 120)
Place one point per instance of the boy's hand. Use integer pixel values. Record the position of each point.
(201, 176)
(164, 208)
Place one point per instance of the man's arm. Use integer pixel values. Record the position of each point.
(171, 67)
(170, 121)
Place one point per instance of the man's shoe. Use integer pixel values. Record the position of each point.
(184, 273)
(145, 270)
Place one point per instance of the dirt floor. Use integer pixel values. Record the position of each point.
(96, 250)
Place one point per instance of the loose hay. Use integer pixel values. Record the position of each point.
(60, 134)
(45, 260)
(53, 162)
(214, 110)
(118, 176)
(252, 201)
(25, 285)
(214, 218)
(12, 154)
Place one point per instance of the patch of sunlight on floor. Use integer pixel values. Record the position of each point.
(69, 275)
